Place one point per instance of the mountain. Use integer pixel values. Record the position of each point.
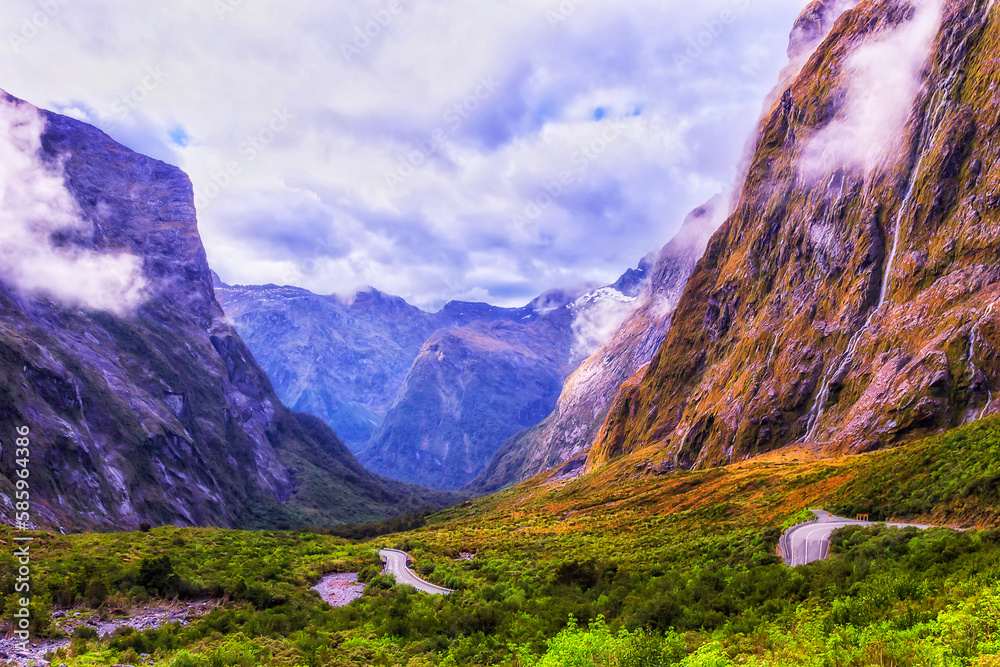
(587, 394)
(144, 404)
(342, 359)
(849, 301)
(468, 390)
(472, 388)
(425, 397)
(345, 359)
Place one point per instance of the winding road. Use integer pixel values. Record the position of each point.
(395, 564)
(808, 542)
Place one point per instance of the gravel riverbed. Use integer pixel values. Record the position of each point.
(339, 590)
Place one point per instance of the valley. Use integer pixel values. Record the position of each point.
(691, 556)
(660, 471)
(429, 398)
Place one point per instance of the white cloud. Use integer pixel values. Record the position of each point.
(221, 80)
(35, 205)
(599, 314)
(883, 77)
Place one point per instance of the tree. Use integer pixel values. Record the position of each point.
(157, 574)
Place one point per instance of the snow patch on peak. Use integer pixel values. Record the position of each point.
(597, 315)
(601, 295)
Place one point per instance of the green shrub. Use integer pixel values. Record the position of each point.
(96, 593)
(157, 574)
(139, 593)
(186, 659)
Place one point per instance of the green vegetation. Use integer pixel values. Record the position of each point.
(395, 525)
(618, 568)
(955, 476)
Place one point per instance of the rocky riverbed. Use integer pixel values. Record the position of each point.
(66, 621)
(339, 590)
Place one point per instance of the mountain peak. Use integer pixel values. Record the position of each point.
(814, 24)
(155, 411)
(853, 309)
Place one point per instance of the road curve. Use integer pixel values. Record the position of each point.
(395, 564)
(808, 542)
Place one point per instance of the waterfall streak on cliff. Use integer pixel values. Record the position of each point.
(816, 412)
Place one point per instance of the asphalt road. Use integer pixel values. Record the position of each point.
(808, 542)
(395, 564)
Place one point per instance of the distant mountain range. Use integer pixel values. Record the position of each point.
(424, 397)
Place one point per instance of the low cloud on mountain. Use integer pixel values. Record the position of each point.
(36, 211)
(882, 78)
(486, 150)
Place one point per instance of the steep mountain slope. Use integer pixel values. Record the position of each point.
(469, 389)
(341, 359)
(149, 409)
(812, 27)
(364, 366)
(587, 397)
(473, 387)
(849, 300)
(587, 394)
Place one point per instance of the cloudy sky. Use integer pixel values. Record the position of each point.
(435, 149)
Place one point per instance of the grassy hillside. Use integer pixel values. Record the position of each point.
(624, 567)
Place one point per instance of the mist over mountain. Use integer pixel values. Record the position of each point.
(849, 301)
(144, 404)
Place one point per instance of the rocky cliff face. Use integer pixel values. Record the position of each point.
(813, 25)
(849, 300)
(588, 392)
(152, 410)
